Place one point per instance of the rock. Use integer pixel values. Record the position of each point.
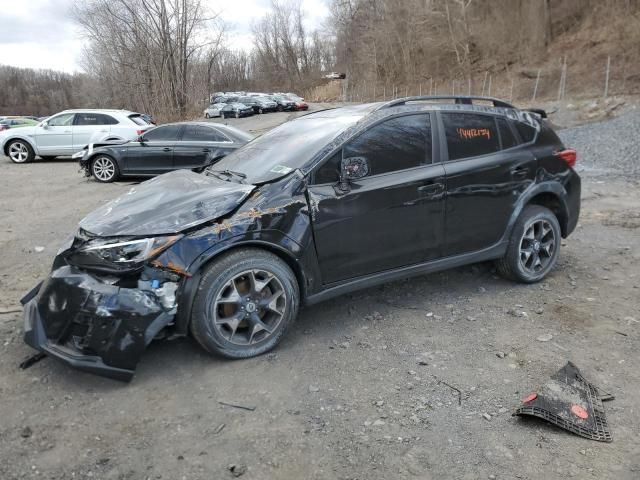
(39, 249)
(486, 416)
(345, 345)
(379, 423)
(26, 432)
(313, 389)
(500, 354)
(237, 470)
(545, 337)
(503, 410)
(540, 310)
(411, 372)
(379, 403)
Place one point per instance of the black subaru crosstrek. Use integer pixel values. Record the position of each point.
(330, 202)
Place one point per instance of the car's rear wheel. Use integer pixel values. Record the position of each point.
(104, 169)
(246, 301)
(280, 109)
(20, 152)
(533, 247)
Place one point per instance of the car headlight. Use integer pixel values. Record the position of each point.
(125, 253)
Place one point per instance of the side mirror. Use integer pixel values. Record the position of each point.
(352, 168)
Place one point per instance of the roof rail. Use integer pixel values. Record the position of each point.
(460, 99)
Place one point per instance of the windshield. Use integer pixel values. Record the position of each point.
(285, 148)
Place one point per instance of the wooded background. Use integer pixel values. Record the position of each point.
(166, 56)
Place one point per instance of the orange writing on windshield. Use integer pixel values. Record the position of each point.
(468, 133)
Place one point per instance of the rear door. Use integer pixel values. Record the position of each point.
(154, 154)
(88, 127)
(486, 172)
(199, 145)
(392, 217)
(56, 137)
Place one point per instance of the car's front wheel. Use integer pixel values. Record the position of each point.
(20, 152)
(533, 247)
(246, 301)
(104, 169)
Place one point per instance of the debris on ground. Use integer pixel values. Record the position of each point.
(571, 402)
(237, 470)
(241, 407)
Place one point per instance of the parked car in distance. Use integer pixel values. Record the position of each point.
(213, 110)
(236, 110)
(18, 122)
(299, 101)
(172, 146)
(335, 76)
(68, 132)
(260, 104)
(320, 206)
(284, 104)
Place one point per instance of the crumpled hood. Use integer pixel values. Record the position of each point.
(167, 204)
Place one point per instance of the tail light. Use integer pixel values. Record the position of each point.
(570, 156)
(140, 132)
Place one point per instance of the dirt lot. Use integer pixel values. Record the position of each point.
(353, 392)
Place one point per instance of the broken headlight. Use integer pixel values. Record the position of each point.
(120, 254)
(131, 251)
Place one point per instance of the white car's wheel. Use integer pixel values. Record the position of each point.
(20, 152)
(206, 115)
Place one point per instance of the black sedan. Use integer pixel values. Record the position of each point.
(284, 103)
(173, 146)
(236, 110)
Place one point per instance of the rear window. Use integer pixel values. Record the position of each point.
(138, 120)
(527, 132)
(506, 136)
(470, 135)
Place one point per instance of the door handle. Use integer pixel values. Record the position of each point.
(520, 172)
(432, 189)
(67, 131)
(166, 149)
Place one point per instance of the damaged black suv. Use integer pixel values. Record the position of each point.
(328, 203)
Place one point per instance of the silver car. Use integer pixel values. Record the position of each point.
(213, 110)
(67, 132)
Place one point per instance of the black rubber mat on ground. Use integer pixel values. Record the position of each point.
(571, 402)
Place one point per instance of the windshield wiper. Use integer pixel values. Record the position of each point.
(229, 174)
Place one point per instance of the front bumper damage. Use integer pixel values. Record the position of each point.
(92, 324)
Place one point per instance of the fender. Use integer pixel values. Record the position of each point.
(273, 240)
(16, 136)
(554, 188)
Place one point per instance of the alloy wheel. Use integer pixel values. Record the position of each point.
(104, 169)
(18, 152)
(537, 246)
(249, 307)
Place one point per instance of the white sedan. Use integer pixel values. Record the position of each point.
(213, 110)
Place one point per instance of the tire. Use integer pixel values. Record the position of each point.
(280, 109)
(48, 157)
(533, 247)
(213, 304)
(104, 169)
(237, 114)
(20, 151)
(206, 115)
(260, 111)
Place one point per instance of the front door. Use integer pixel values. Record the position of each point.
(154, 153)
(486, 173)
(392, 217)
(56, 137)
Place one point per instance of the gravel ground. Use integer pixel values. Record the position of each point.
(607, 148)
(356, 389)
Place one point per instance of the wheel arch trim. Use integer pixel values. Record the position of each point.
(540, 190)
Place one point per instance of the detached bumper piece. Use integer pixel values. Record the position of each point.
(571, 402)
(91, 325)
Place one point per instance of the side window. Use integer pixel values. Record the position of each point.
(63, 120)
(94, 119)
(163, 133)
(199, 133)
(527, 132)
(329, 171)
(470, 135)
(396, 144)
(506, 137)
